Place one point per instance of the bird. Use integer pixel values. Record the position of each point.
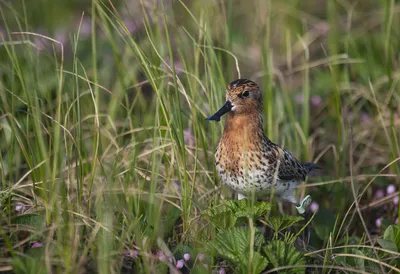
(246, 160)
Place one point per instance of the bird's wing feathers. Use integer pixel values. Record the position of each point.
(289, 167)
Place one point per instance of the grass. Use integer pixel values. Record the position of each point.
(106, 158)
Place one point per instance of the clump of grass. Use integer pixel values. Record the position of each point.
(106, 161)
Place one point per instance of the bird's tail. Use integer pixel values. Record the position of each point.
(311, 168)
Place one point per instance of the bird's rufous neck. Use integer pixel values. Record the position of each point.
(240, 125)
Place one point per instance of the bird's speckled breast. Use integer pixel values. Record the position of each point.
(250, 169)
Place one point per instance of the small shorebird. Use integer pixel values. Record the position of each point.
(246, 159)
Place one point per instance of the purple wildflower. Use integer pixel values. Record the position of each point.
(161, 256)
(36, 244)
(180, 264)
(186, 256)
(132, 253)
(316, 101)
(19, 208)
(379, 194)
(391, 189)
(314, 207)
(378, 222)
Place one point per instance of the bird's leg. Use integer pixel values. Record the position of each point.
(301, 208)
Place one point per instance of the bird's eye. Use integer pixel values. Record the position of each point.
(245, 94)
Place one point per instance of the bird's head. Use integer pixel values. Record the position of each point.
(242, 97)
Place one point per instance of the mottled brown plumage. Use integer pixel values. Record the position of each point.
(246, 159)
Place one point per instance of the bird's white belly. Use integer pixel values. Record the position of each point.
(256, 181)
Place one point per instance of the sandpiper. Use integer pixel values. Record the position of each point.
(246, 160)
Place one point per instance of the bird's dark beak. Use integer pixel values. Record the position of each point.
(225, 108)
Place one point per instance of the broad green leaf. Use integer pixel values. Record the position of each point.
(235, 212)
(258, 263)
(234, 243)
(352, 262)
(31, 262)
(359, 263)
(33, 220)
(199, 269)
(5, 194)
(222, 216)
(280, 254)
(392, 233)
(324, 222)
(245, 208)
(283, 222)
(386, 244)
(289, 237)
(169, 220)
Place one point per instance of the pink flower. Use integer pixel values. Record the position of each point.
(19, 208)
(221, 271)
(186, 256)
(314, 207)
(396, 200)
(391, 189)
(36, 244)
(397, 221)
(161, 256)
(316, 100)
(378, 222)
(132, 253)
(379, 194)
(180, 264)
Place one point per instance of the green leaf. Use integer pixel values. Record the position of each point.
(392, 233)
(5, 194)
(324, 222)
(289, 237)
(221, 216)
(281, 254)
(234, 245)
(258, 263)
(169, 220)
(283, 222)
(33, 220)
(198, 269)
(245, 208)
(386, 244)
(31, 262)
(352, 262)
(235, 212)
(359, 263)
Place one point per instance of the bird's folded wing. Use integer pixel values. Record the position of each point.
(289, 167)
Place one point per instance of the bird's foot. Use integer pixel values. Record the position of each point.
(301, 208)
